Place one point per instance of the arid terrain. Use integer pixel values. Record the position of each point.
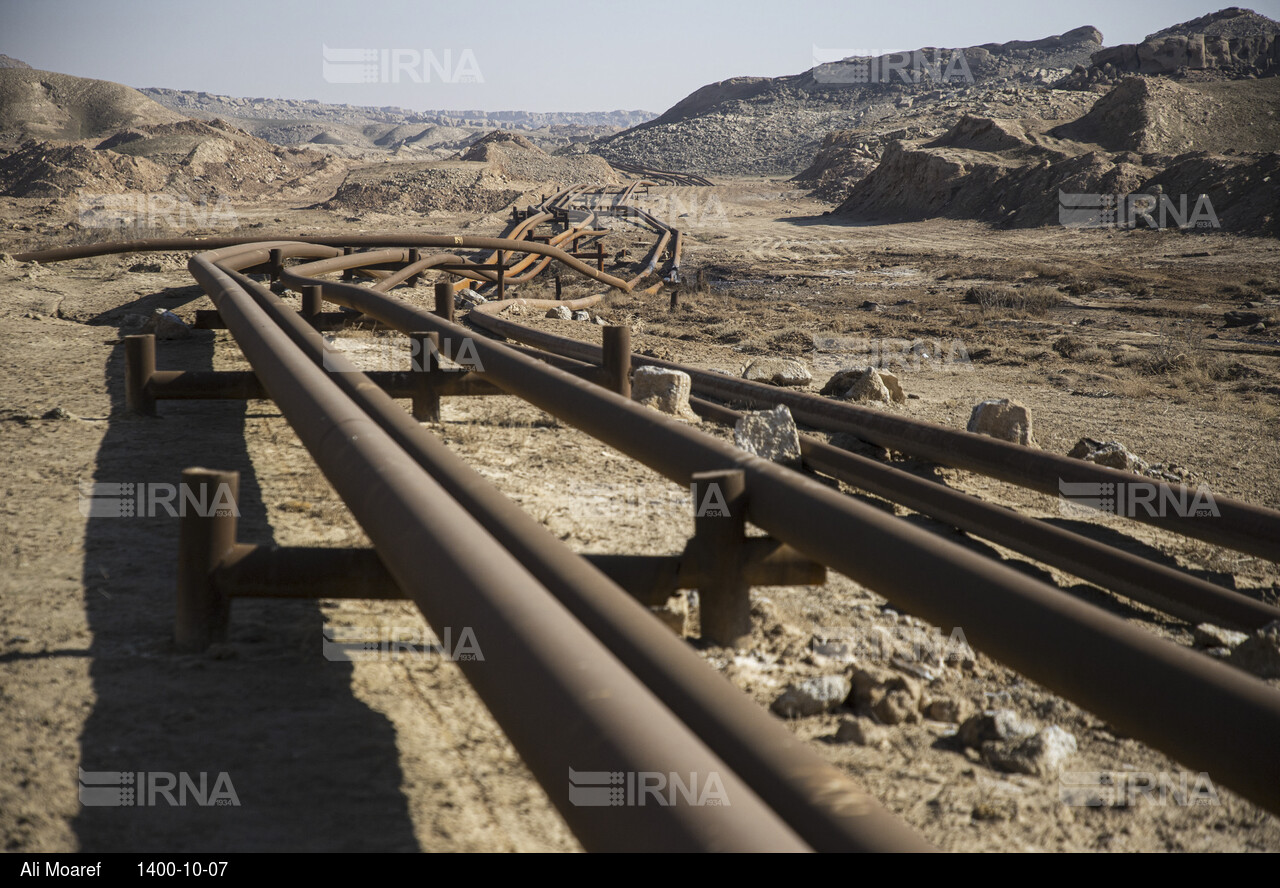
(892, 249)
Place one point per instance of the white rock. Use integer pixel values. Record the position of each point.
(769, 434)
(664, 390)
(468, 299)
(999, 724)
(895, 388)
(1004, 419)
(1112, 454)
(166, 325)
(1260, 652)
(812, 696)
(560, 313)
(1041, 755)
(1207, 635)
(777, 371)
(863, 384)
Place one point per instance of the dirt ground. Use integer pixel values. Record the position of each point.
(401, 755)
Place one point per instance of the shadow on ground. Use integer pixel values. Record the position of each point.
(312, 768)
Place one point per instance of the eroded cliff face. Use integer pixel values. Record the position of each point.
(1233, 40)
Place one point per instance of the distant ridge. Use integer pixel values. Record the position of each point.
(203, 104)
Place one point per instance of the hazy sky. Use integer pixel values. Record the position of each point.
(518, 54)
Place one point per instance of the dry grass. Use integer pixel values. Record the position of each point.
(1069, 346)
(1241, 292)
(792, 342)
(1181, 357)
(1014, 302)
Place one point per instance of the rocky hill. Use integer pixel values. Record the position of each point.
(357, 130)
(771, 126)
(202, 104)
(1152, 114)
(1232, 42)
(46, 105)
(195, 159)
(1145, 136)
(1190, 125)
(102, 151)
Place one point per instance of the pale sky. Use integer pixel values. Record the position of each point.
(518, 54)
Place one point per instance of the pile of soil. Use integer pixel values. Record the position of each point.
(190, 158)
(1145, 136)
(490, 176)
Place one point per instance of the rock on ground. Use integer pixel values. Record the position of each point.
(872, 683)
(1041, 755)
(865, 384)
(777, 371)
(769, 434)
(1243, 318)
(1111, 454)
(812, 696)
(997, 724)
(893, 385)
(1004, 419)
(166, 325)
(560, 313)
(1260, 652)
(1207, 635)
(664, 390)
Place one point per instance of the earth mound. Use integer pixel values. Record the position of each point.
(1143, 138)
(46, 105)
(192, 158)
